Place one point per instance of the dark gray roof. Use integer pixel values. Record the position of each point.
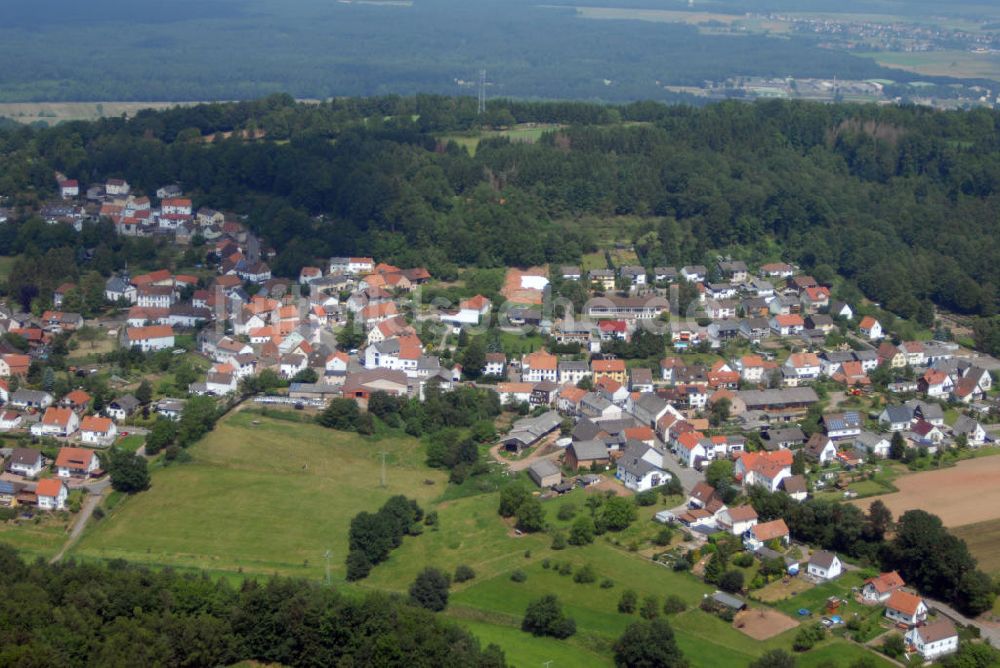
(25, 456)
(823, 559)
(728, 600)
(898, 414)
(590, 450)
(543, 468)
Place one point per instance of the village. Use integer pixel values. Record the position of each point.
(760, 379)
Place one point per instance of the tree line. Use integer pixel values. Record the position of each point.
(898, 200)
(117, 614)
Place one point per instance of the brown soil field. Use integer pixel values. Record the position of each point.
(964, 494)
(763, 623)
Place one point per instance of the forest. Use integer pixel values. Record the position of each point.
(77, 614)
(241, 49)
(899, 202)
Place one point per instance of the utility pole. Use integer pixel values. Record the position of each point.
(382, 477)
(482, 92)
(327, 555)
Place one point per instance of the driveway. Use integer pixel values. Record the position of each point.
(86, 510)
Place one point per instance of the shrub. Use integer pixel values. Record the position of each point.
(743, 560)
(607, 583)
(585, 575)
(663, 537)
(674, 604)
(807, 637)
(647, 498)
(628, 602)
(558, 540)
(464, 573)
(582, 531)
(566, 568)
(566, 512)
(650, 608)
(518, 576)
(893, 646)
(546, 564)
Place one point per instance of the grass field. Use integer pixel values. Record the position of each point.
(271, 497)
(6, 264)
(42, 539)
(529, 133)
(960, 64)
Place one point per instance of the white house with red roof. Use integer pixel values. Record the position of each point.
(76, 462)
(147, 339)
(691, 447)
(69, 188)
(98, 431)
(870, 328)
(59, 422)
(879, 589)
(764, 468)
(51, 494)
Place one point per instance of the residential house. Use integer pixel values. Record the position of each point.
(59, 422)
(76, 462)
(973, 431)
(928, 412)
(824, 565)
(633, 275)
(514, 393)
(796, 486)
(51, 494)
(14, 365)
(738, 520)
(10, 420)
(121, 409)
(787, 325)
(875, 445)
(934, 640)
(148, 339)
(935, 383)
(763, 468)
(783, 439)
(694, 273)
(36, 399)
(777, 270)
(640, 379)
(664, 274)
(26, 462)
(753, 368)
(78, 400)
(801, 368)
(690, 447)
(573, 371)
(787, 404)
(879, 589)
(820, 448)
(734, 271)
(538, 366)
(609, 368)
(840, 310)
(604, 279)
(640, 467)
(843, 425)
(896, 418)
(903, 607)
(98, 431)
(870, 328)
(763, 533)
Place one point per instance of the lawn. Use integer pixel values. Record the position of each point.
(261, 498)
(31, 539)
(942, 63)
(814, 599)
(528, 133)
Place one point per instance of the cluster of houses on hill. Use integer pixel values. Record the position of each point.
(31, 480)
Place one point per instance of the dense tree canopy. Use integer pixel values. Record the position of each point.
(77, 614)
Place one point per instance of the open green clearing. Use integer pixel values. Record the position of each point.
(35, 539)
(529, 133)
(960, 64)
(265, 495)
(261, 498)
